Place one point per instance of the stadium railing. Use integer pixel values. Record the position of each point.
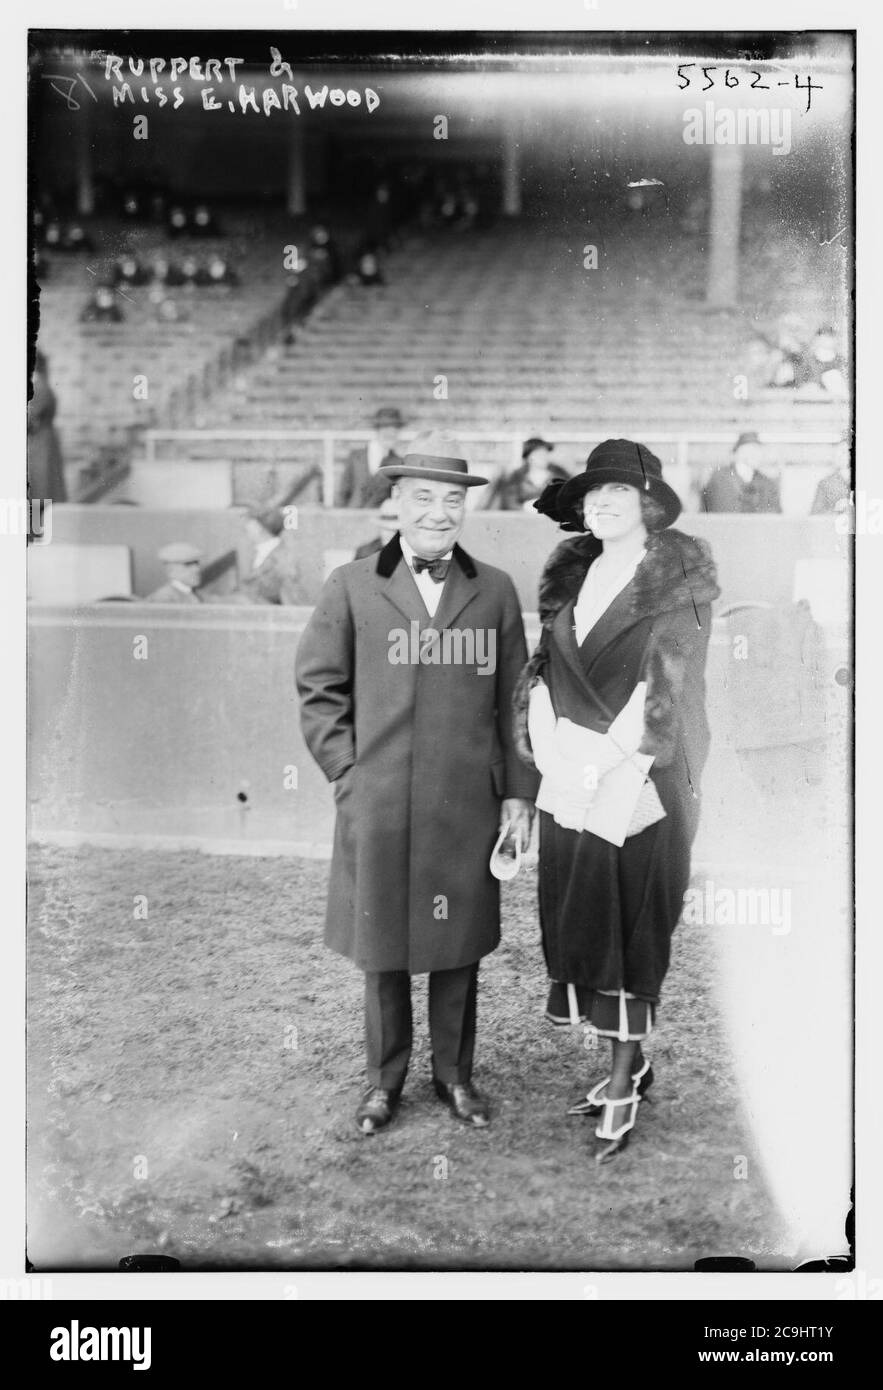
(508, 443)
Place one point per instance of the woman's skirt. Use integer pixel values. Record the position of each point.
(607, 913)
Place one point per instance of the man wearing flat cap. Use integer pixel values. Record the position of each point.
(181, 561)
(365, 482)
(410, 720)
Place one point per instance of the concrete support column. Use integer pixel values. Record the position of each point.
(84, 163)
(295, 187)
(512, 168)
(725, 221)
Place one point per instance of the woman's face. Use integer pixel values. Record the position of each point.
(612, 510)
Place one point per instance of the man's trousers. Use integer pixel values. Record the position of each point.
(389, 1029)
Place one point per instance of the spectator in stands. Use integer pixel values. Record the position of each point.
(182, 563)
(746, 483)
(203, 222)
(363, 485)
(324, 253)
(220, 272)
(825, 365)
(516, 491)
(368, 267)
(128, 270)
(75, 238)
(274, 576)
(52, 236)
(792, 367)
(102, 307)
(834, 491)
(178, 221)
(168, 310)
(45, 465)
(468, 209)
(388, 520)
(192, 272)
(164, 272)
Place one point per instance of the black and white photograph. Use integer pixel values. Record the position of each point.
(467, 886)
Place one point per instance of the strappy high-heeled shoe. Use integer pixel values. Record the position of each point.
(615, 1140)
(592, 1102)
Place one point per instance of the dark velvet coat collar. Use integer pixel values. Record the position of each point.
(391, 554)
(460, 587)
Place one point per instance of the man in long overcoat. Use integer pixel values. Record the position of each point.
(406, 672)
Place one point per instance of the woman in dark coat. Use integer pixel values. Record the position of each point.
(626, 620)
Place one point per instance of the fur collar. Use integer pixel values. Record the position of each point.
(678, 572)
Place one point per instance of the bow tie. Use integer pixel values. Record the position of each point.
(436, 569)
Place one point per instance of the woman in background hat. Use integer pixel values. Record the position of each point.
(626, 619)
(513, 492)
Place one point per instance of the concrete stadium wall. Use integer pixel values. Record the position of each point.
(160, 721)
(757, 556)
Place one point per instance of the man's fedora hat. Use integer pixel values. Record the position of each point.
(748, 437)
(614, 461)
(437, 457)
(179, 553)
(388, 415)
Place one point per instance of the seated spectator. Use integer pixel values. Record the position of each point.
(102, 307)
(203, 223)
(45, 468)
(132, 207)
(324, 253)
(128, 270)
(368, 268)
(165, 272)
(274, 576)
(388, 524)
(182, 564)
(468, 210)
(746, 484)
(168, 310)
(75, 238)
(826, 365)
(52, 235)
(363, 485)
(192, 273)
(220, 272)
(834, 491)
(178, 222)
(790, 364)
(516, 491)
(448, 208)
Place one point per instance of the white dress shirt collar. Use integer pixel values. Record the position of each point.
(430, 591)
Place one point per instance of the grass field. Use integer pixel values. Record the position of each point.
(193, 1076)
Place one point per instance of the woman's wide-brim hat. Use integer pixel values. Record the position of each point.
(437, 457)
(614, 461)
